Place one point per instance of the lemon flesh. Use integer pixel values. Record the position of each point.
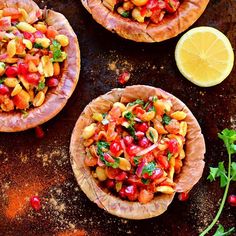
(204, 56)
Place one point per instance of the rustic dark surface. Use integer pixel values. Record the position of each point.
(30, 166)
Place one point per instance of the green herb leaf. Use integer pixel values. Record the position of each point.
(58, 55)
(233, 171)
(25, 113)
(38, 45)
(221, 231)
(146, 105)
(138, 101)
(101, 147)
(169, 155)
(128, 115)
(151, 136)
(136, 160)
(154, 98)
(125, 14)
(152, 109)
(213, 173)
(229, 137)
(131, 131)
(145, 181)
(2, 80)
(166, 119)
(114, 164)
(41, 86)
(104, 115)
(149, 168)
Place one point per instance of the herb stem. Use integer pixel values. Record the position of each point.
(223, 200)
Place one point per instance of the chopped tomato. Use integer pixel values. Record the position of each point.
(35, 59)
(112, 172)
(172, 5)
(133, 149)
(111, 134)
(115, 112)
(90, 161)
(12, 12)
(33, 78)
(115, 148)
(51, 32)
(29, 36)
(138, 111)
(163, 161)
(145, 196)
(156, 16)
(173, 146)
(5, 23)
(143, 11)
(124, 77)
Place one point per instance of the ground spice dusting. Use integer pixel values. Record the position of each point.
(18, 198)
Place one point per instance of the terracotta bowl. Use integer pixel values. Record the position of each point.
(190, 174)
(56, 98)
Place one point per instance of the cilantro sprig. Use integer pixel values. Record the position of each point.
(103, 147)
(226, 176)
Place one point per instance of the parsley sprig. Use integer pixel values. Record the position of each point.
(229, 138)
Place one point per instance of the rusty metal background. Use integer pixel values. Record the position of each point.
(30, 166)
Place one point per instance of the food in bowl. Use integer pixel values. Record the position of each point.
(146, 20)
(133, 148)
(37, 73)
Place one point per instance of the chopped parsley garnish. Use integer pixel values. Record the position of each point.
(128, 115)
(149, 168)
(146, 105)
(152, 108)
(2, 80)
(101, 146)
(145, 181)
(151, 135)
(58, 55)
(138, 101)
(25, 113)
(136, 159)
(169, 155)
(38, 45)
(125, 14)
(110, 164)
(104, 115)
(155, 98)
(41, 86)
(131, 131)
(166, 119)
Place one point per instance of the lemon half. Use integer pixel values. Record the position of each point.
(204, 56)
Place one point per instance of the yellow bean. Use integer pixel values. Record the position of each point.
(89, 131)
(124, 164)
(182, 154)
(165, 189)
(178, 115)
(11, 48)
(11, 82)
(45, 42)
(16, 90)
(56, 67)
(128, 6)
(139, 3)
(47, 66)
(41, 27)
(183, 128)
(2, 68)
(137, 15)
(39, 99)
(62, 39)
(101, 174)
(25, 27)
(24, 14)
(27, 43)
(120, 105)
(147, 116)
(97, 116)
(152, 135)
